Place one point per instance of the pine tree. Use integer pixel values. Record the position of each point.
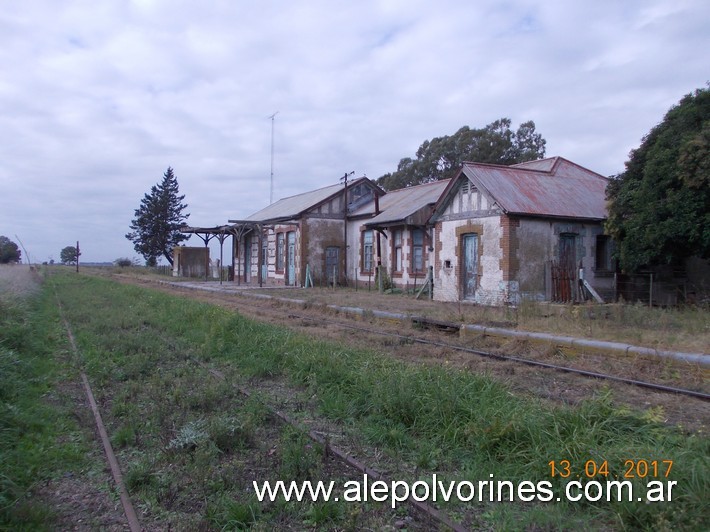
(156, 226)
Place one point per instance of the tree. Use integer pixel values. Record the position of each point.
(440, 157)
(659, 208)
(68, 255)
(156, 226)
(9, 252)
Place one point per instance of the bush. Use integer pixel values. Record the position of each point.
(123, 262)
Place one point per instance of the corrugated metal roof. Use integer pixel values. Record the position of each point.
(398, 205)
(293, 206)
(550, 187)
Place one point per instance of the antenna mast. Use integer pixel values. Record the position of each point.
(271, 193)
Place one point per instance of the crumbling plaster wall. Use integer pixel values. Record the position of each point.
(320, 234)
(448, 259)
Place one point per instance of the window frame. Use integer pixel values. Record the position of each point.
(280, 249)
(417, 250)
(397, 251)
(367, 249)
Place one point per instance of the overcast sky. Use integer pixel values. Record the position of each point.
(99, 97)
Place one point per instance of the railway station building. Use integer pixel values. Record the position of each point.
(490, 235)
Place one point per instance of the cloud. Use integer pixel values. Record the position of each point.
(99, 98)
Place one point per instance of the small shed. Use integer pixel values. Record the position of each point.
(190, 261)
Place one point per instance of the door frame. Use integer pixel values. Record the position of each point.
(466, 292)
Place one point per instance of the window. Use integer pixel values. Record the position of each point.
(358, 196)
(603, 254)
(417, 250)
(280, 251)
(397, 250)
(367, 251)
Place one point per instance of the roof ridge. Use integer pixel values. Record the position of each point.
(509, 166)
(428, 184)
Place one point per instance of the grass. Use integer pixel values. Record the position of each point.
(39, 439)
(190, 443)
(684, 328)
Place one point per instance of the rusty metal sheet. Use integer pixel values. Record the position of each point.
(549, 187)
(411, 205)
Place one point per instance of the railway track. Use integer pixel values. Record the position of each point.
(128, 509)
(428, 513)
(258, 307)
(518, 360)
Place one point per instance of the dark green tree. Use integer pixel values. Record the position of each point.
(440, 157)
(68, 255)
(156, 226)
(9, 252)
(659, 208)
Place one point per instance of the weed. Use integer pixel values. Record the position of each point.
(38, 439)
(300, 457)
(229, 433)
(140, 475)
(324, 513)
(124, 437)
(228, 512)
(431, 417)
(189, 436)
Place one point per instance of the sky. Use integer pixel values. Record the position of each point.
(99, 98)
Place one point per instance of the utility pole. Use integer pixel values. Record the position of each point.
(77, 256)
(344, 179)
(271, 193)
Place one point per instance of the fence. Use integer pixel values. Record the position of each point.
(651, 289)
(164, 269)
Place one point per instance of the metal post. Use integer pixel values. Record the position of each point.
(271, 193)
(77, 256)
(431, 282)
(221, 256)
(258, 258)
(345, 224)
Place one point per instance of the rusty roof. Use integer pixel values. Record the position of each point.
(553, 187)
(411, 205)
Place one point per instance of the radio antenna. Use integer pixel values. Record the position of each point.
(271, 192)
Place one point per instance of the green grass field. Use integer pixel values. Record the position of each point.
(189, 444)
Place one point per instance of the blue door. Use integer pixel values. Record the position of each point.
(332, 261)
(264, 259)
(470, 265)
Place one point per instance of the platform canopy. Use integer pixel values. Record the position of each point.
(221, 232)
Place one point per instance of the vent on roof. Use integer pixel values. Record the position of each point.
(466, 187)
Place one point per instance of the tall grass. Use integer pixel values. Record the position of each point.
(466, 426)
